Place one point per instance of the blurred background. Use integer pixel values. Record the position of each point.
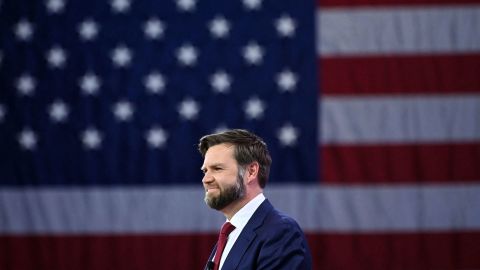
(371, 110)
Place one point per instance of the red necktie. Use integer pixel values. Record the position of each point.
(227, 228)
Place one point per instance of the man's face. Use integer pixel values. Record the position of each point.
(222, 181)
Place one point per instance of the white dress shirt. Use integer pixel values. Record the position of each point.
(239, 220)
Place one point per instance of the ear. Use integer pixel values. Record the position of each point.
(252, 171)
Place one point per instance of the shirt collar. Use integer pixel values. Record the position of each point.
(241, 218)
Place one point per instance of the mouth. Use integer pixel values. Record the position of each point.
(210, 189)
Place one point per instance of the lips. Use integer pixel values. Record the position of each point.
(209, 189)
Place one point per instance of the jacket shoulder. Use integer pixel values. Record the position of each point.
(281, 243)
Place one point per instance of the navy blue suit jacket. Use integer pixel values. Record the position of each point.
(270, 240)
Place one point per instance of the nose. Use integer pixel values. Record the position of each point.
(207, 178)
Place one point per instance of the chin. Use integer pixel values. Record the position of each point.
(210, 197)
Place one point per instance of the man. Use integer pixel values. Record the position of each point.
(236, 168)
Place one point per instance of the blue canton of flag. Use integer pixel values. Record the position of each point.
(119, 92)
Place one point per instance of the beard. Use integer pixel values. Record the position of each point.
(229, 194)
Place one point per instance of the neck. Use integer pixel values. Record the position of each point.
(230, 210)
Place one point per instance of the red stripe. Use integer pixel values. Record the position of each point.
(400, 163)
(422, 251)
(400, 74)
(105, 252)
(396, 251)
(358, 3)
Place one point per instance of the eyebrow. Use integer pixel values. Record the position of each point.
(212, 165)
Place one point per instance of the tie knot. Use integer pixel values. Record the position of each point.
(227, 228)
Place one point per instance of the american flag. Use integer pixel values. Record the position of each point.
(370, 109)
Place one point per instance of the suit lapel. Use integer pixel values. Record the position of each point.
(247, 236)
(210, 258)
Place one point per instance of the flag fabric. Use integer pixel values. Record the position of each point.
(371, 110)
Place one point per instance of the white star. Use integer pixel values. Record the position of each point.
(287, 80)
(187, 55)
(254, 108)
(220, 128)
(220, 81)
(27, 139)
(288, 135)
(123, 110)
(88, 30)
(24, 30)
(91, 138)
(188, 109)
(120, 6)
(285, 26)
(252, 4)
(253, 53)
(186, 5)
(3, 112)
(156, 137)
(56, 57)
(154, 82)
(90, 83)
(26, 85)
(219, 27)
(121, 56)
(58, 111)
(55, 6)
(154, 28)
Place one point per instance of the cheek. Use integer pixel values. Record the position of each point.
(226, 179)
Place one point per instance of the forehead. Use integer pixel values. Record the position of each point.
(219, 153)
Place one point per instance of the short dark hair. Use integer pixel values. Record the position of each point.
(248, 148)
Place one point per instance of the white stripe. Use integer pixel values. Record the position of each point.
(181, 209)
(403, 119)
(96, 210)
(388, 208)
(398, 30)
